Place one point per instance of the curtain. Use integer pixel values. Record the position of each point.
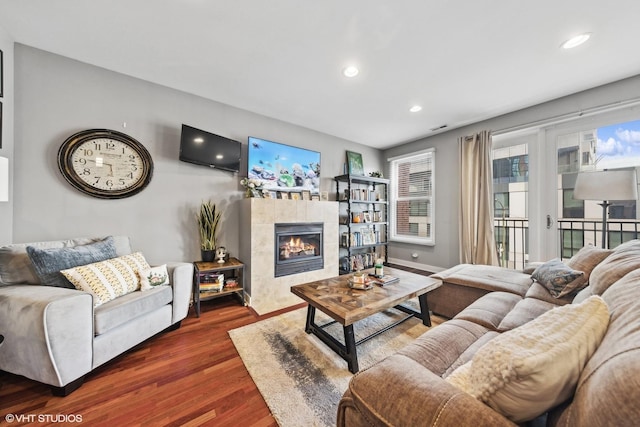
(477, 244)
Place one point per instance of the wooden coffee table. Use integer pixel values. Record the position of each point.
(346, 306)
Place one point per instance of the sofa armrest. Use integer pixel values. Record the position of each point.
(399, 391)
(48, 333)
(181, 274)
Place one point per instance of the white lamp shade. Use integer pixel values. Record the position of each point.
(4, 179)
(606, 185)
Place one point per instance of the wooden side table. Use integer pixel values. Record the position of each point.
(202, 269)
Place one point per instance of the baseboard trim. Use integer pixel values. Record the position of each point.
(416, 265)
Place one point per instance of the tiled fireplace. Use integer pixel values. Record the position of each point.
(298, 248)
(285, 243)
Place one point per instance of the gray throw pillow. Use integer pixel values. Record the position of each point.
(559, 278)
(48, 262)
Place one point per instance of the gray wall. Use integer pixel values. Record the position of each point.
(57, 96)
(6, 208)
(445, 253)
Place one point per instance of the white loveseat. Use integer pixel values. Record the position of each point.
(57, 335)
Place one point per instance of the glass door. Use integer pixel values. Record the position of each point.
(536, 216)
(604, 143)
(511, 168)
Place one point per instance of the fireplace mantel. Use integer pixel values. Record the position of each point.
(266, 292)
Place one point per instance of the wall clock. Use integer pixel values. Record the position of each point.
(105, 163)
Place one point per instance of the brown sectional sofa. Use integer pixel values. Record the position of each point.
(410, 387)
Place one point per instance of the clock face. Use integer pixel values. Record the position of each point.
(105, 163)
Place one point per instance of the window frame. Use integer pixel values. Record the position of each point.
(394, 236)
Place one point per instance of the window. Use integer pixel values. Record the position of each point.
(609, 147)
(412, 198)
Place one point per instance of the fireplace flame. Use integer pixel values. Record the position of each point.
(296, 246)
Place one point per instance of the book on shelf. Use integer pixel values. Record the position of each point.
(211, 287)
(384, 280)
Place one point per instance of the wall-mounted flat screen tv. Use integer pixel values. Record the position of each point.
(282, 167)
(208, 149)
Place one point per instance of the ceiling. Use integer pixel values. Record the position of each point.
(462, 61)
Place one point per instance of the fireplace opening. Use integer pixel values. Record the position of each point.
(298, 248)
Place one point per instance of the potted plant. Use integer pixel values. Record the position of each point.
(208, 221)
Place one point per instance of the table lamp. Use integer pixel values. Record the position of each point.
(606, 185)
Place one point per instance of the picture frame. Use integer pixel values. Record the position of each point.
(306, 194)
(1, 75)
(354, 163)
(283, 195)
(295, 195)
(368, 237)
(324, 196)
(315, 197)
(366, 216)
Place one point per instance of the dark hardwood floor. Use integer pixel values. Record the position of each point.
(188, 377)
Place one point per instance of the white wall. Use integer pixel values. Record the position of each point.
(6, 208)
(57, 96)
(445, 253)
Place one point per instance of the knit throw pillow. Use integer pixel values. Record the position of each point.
(528, 370)
(108, 279)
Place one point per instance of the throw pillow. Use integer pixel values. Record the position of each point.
(48, 262)
(528, 370)
(559, 278)
(108, 279)
(152, 277)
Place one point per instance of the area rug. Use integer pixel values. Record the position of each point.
(300, 378)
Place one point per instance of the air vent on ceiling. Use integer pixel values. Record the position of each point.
(438, 128)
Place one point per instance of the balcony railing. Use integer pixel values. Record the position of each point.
(512, 241)
(576, 233)
(512, 237)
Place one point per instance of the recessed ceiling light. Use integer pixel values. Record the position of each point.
(350, 71)
(576, 41)
(415, 108)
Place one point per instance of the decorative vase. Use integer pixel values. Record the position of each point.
(207, 256)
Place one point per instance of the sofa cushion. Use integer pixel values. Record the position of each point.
(559, 278)
(154, 276)
(524, 372)
(487, 277)
(127, 307)
(428, 349)
(608, 388)
(525, 311)
(16, 267)
(541, 293)
(587, 258)
(109, 279)
(49, 262)
(490, 309)
(625, 258)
